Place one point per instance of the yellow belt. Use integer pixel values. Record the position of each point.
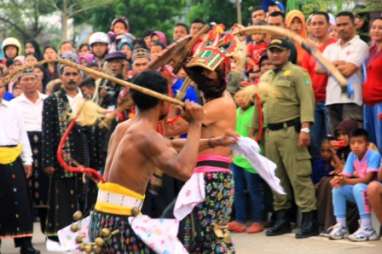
(115, 199)
(9, 154)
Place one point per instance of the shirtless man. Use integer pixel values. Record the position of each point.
(204, 230)
(135, 149)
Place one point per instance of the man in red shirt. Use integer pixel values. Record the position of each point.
(372, 88)
(320, 32)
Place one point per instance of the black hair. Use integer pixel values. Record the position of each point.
(263, 57)
(83, 45)
(40, 67)
(360, 133)
(197, 20)
(151, 80)
(148, 33)
(277, 14)
(272, 4)
(37, 49)
(158, 43)
(322, 13)
(49, 47)
(139, 43)
(88, 82)
(348, 14)
(258, 9)
(183, 25)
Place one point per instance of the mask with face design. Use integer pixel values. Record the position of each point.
(212, 55)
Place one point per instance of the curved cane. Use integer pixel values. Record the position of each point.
(305, 44)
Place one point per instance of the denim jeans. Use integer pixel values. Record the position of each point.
(320, 129)
(255, 185)
(373, 124)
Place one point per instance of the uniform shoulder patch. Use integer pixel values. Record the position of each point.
(306, 77)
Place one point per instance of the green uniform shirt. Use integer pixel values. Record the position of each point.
(290, 95)
(244, 127)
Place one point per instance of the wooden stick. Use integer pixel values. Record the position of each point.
(11, 76)
(183, 89)
(176, 53)
(305, 43)
(122, 82)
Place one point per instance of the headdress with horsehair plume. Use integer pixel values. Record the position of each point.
(213, 54)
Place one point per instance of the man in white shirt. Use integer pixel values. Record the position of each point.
(30, 104)
(347, 54)
(16, 216)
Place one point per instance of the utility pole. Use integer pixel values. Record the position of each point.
(64, 20)
(238, 12)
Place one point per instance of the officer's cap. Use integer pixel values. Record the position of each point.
(279, 44)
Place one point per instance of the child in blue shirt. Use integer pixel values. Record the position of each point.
(360, 169)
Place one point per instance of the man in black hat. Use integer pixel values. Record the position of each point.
(109, 90)
(289, 112)
(116, 62)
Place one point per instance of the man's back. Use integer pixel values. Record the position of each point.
(126, 163)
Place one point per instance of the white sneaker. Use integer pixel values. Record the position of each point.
(364, 234)
(325, 233)
(338, 232)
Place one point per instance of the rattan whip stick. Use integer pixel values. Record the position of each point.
(308, 45)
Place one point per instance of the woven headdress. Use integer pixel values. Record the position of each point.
(213, 54)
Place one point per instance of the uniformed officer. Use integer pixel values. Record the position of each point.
(289, 112)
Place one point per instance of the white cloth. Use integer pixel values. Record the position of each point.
(192, 193)
(355, 51)
(264, 167)
(67, 237)
(160, 235)
(30, 111)
(12, 131)
(75, 101)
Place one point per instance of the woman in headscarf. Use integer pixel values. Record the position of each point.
(295, 21)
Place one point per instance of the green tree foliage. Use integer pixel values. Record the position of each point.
(22, 18)
(142, 15)
(332, 6)
(163, 14)
(221, 11)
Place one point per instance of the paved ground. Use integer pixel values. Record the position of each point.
(252, 244)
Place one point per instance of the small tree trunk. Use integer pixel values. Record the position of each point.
(238, 12)
(64, 21)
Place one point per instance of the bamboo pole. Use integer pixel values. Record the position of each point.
(122, 82)
(183, 90)
(104, 76)
(11, 76)
(305, 43)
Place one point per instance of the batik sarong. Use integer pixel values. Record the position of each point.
(204, 230)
